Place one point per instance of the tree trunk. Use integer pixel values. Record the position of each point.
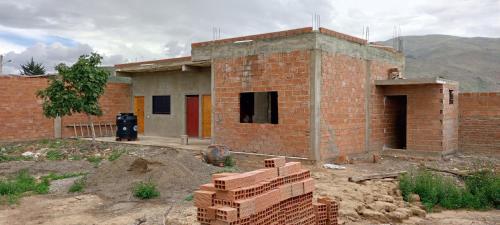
(92, 129)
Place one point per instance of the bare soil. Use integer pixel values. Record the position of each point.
(108, 198)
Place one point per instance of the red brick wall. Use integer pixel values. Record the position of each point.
(116, 99)
(286, 73)
(479, 129)
(21, 112)
(342, 105)
(21, 115)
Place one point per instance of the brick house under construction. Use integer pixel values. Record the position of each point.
(309, 93)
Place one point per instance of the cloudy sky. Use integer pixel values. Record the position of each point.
(54, 31)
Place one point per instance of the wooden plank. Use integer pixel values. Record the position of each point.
(357, 179)
(74, 129)
(100, 129)
(81, 129)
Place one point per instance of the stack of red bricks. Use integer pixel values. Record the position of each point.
(281, 193)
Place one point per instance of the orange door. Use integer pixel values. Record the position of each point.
(207, 116)
(139, 112)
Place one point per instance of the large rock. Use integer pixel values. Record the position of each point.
(418, 211)
(397, 216)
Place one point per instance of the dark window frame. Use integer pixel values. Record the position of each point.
(247, 107)
(161, 109)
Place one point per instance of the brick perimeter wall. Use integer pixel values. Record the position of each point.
(21, 116)
(286, 73)
(116, 99)
(21, 111)
(479, 129)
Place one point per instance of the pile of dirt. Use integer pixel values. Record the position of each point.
(176, 174)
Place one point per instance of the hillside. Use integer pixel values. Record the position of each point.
(474, 62)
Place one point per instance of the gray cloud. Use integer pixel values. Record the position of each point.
(52, 55)
(140, 30)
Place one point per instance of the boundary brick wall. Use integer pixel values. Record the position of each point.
(116, 99)
(21, 111)
(21, 114)
(479, 129)
(289, 75)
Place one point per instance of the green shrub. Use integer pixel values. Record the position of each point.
(146, 190)
(229, 161)
(189, 198)
(78, 185)
(54, 176)
(11, 189)
(481, 191)
(54, 155)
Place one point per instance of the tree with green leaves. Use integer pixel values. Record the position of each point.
(32, 68)
(76, 89)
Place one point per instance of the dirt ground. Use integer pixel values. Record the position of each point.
(108, 199)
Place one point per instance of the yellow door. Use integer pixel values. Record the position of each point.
(139, 112)
(207, 116)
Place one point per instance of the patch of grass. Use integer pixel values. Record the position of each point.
(94, 160)
(6, 158)
(481, 191)
(78, 185)
(115, 154)
(53, 176)
(54, 155)
(11, 189)
(145, 190)
(189, 198)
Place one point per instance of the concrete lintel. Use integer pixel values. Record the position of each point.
(414, 81)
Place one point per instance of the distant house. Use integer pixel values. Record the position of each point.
(318, 94)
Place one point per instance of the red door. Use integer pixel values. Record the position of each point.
(192, 115)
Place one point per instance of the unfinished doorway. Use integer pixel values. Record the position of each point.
(192, 115)
(395, 117)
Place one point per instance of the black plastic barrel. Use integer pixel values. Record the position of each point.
(126, 127)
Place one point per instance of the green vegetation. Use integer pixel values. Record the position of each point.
(53, 176)
(6, 158)
(189, 198)
(115, 154)
(95, 160)
(145, 190)
(229, 161)
(481, 191)
(12, 188)
(54, 155)
(32, 68)
(78, 185)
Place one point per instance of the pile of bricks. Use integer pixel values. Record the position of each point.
(281, 193)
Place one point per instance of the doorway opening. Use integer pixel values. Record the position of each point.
(395, 115)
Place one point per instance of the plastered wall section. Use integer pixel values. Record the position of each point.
(288, 73)
(177, 85)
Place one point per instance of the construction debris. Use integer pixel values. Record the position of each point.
(358, 179)
(281, 193)
(333, 166)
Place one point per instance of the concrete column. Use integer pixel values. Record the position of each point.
(212, 95)
(368, 100)
(200, 116)
(315, 92)
(57, 127)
